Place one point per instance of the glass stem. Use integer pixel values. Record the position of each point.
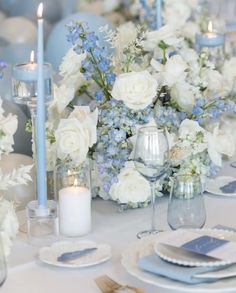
(33, 121)
(153, 200)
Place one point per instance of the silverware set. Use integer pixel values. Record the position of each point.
(108, 285)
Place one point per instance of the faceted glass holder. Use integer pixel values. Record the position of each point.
(42, 223)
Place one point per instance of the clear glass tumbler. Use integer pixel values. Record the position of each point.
(186, 207)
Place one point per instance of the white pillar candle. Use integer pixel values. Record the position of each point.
(74, 211)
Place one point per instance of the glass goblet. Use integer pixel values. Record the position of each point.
(151, 159)
(186, 207)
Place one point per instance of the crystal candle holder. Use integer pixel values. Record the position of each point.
(24, 83)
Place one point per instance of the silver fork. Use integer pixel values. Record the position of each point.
(107, 285)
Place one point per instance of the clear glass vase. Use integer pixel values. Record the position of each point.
(66, 173)
(72, 188)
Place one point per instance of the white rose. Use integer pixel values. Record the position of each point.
(71, 63)
(177, 13)
(189, 55)
(72, 140)
(131, 186)
(88, 120)
(172, 72)
(166, 34)
(190, 30)
(228, 124)
(63, 95)
(220, 143)
(189, 128)
(214, 80)
(9, 224)
(136, 89)
(8, 127)
(229, 74)
(184, 94)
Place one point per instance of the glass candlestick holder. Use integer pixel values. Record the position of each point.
(42, 220)
(24, 91)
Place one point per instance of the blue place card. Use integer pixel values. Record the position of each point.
(204, 244)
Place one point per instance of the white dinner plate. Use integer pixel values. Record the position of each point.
(50, 254)
(213, 185)
(145, 246)
(183, 257)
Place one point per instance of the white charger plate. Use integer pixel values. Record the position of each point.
(213, 185)
(145, 246)
(50, 254)
(183, 257)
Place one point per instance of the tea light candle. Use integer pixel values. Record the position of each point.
(210, 38)
(28, 72)
(74, 210)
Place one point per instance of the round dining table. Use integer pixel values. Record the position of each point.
(27, 274)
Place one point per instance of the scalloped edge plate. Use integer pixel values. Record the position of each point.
(145, 246)
(213, 185)
(183, 257)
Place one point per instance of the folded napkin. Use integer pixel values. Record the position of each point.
(154, 264)
(229, 188)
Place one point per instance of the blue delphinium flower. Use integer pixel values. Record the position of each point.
(149, 13)
(97, 64)
(3, 65)
(206, 110)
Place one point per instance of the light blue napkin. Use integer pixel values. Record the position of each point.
(154, 264)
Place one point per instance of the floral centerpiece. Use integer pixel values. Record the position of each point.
(8, 220)
(143, 78)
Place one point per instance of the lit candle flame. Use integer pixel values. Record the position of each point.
(76, 182)
(40, 10)
(32, 57)
(210, 27)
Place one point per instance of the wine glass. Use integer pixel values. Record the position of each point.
(186, 207)
(3, 266)
(151, 159)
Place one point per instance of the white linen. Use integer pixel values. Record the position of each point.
(26, 274)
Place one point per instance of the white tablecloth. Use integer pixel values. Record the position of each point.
(26, 274)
